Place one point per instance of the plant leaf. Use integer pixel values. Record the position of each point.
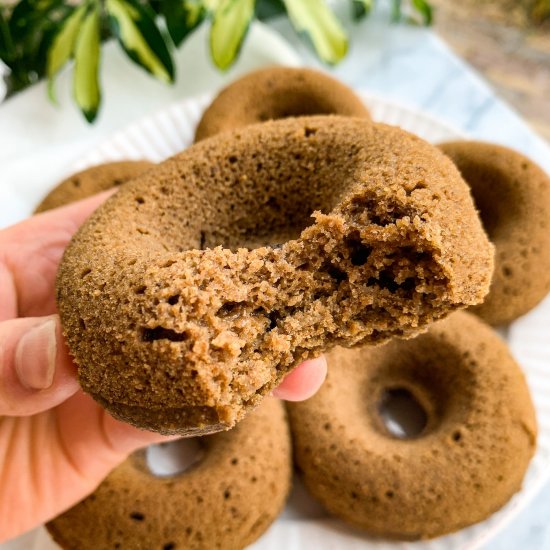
(61, 49)
(30, 16)
(424, 9)
(31, 25)
(361, 8)
(134, 26)
(182, 17)
(86, 66)
(396, 11)
(231, 21)
(7, 47)
(318, 22)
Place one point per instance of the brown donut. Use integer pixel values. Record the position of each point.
(470, 458)
(91, 181)
(227, 500)
(278, 92)
(513, 197)
(193, 291)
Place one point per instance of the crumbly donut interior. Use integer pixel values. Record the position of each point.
(358, 275)
(232, 268)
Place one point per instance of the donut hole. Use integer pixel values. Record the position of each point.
(174, 458)
(264, 195)
(421, 389)
(402, 414)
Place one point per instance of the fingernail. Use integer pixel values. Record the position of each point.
(35, 356)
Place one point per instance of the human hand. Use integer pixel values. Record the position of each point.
(56, 443)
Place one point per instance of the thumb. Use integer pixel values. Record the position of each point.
(94, 441)
(36, 371)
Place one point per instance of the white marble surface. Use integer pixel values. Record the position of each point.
(409, 65)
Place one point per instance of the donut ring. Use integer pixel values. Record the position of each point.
(225, 501)
(470, 459)
(91, 181)
(513, 196)
(274, 93)
(193, 291)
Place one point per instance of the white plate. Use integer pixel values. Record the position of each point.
(303, 524)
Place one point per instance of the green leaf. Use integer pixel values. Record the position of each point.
(231, 21)
(361, 8)
(86, 66)
(316, 20)
(31, 25)
(396, 11)
(182, 17)
(31, 16)
(266, 9)
(7, 47)
(61, 49)
(424, 9)
(136, 30)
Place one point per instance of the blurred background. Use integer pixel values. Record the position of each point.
(508, 41)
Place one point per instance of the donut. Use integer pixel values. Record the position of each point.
(91, 181)
(274, 93)
(513, 197)
(478, 437)
(226, 500)
(192, 292)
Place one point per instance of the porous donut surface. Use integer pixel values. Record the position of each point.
(193, 291)
(470, 458)
(278, 92)
(512, 194)
(91, 181)
(226, 501)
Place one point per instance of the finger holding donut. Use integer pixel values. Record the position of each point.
(41, 405)
(56, 443)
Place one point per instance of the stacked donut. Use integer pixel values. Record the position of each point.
(296, 225)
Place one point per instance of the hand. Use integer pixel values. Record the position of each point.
(56, 443)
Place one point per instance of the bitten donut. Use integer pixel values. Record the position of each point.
(278, 92)
(91, 181)
(513, 196)
(193, 291)
(226, 500)
(470, 458)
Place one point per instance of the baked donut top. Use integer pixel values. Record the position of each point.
(200, 284)
(475, 434)
(512, 194)
(92, 180)
(225, 500)
(278, 92)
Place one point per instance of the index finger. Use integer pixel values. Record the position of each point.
(30, 252)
